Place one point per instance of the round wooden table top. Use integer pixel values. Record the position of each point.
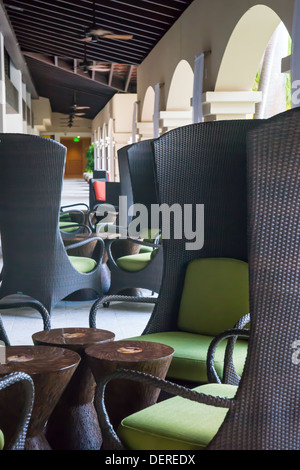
(129, 351)
(77, 338)
(37, 359)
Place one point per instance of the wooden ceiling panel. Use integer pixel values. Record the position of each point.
(46, 29)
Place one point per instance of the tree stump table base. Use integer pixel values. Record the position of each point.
(74, 424)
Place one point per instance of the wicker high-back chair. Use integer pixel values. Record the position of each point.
(138, 184)
(35, 261)
(262, 413)
(201, 164)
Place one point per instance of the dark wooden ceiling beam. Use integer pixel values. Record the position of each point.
(77, 51)
(108, 17)
(128, 78)
(111, 74)
(97, 76)
(59, 50)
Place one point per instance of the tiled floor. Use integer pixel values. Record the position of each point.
(124, 319)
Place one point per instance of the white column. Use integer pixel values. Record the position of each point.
(134, 128)
(15, 121)
(198, 88)
(220, 105)
(295, 57)
(156, 111)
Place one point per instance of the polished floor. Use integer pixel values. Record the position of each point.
(124, 319)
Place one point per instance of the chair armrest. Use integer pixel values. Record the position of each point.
(111, 209)
(18, 440)
(25, 301)
(211, 371)
(110, 439)
(132, 240)
(69, 234)
(85, 242)
(229, 374)
(74, 205)
(116, 298)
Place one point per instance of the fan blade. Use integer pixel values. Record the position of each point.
(98, 32)
(125, 37)
(86, 39)
(79, 107)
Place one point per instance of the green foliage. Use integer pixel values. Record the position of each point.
(256, 81)
(90, 159)
(288, 90)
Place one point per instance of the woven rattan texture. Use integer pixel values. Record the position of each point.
(265, 414)
(18, 440)
(35, 262)
(201, 164)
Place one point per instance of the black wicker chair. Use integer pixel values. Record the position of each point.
(35, 261)
(14, 421)
(262, 412)
(73, 220)
(136, 264)
(198, 164)
(98, 203)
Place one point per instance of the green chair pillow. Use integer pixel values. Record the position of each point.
(1, 440)
(215, 295)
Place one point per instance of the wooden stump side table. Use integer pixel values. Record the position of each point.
(51, 370)
(73, 424)
(124, 397)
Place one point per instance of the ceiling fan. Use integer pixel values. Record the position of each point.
(75, 108)
(94, 33)
(86, 65)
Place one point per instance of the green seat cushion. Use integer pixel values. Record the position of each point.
(1, 440)
(146, 249)
(82, 264)
(149, 234)
(134, 263)
(65, 217)
(190, 353)
(215, 295)
(68, 226)
(176, 423)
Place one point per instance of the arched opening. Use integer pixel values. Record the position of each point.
(246, 48)
(178, 107)
(181, 88)
(250, 83)
(148, 105)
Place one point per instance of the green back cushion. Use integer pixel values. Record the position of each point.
(1, 440)
(215, 295)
